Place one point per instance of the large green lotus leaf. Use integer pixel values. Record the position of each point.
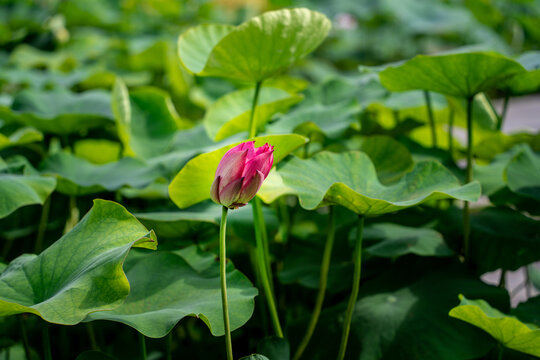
(396, 240)
(459, 75)
(59, 111)
(196, 44)
(156, 303)
(22, 136)
(391, 158)
(507, 330)
(20, 190)
(397, 322)
(255, 50)
(331, 120)
(146, 120)
(192, 184)
(230, 114)
(80, 273)
(349, 179)
(523, 174)
(528, 82)
(497, 232)
(77, 176)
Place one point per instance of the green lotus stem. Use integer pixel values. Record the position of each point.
(223, 276)
(355, 289)
(502, 279)
(24, 336)
(263, 265)
(168, 345)
(252, 122)
(325, 266)
(142, 346)
(468, 178)
(262, 250)
(92, 336)
(500, 118)
(451, 132)
(47, 355)
(42, 228)
(431, 118)
(73, 218)
(501, 351)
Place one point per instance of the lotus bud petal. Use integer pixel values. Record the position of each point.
(240, 174)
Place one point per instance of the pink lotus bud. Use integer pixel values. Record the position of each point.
(240, 174)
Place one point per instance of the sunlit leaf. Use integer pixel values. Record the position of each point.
(20, 190)
(282, 37)
(188, 285)
(80, 273)
(507, 330)
(461, 75)
(350, 179)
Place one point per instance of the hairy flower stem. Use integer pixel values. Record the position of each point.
(42, 228)
(468, 178)
(325, 266)
(263, 264)
(451, 133)
(431, 119)
(24, 336)
(355, 289)
(142, 346)
(252, 122)
(223, 276)
(262, 250)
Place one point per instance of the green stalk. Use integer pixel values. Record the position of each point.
(168, 345)
(92, 336)
(325, 266)
(223, 276)
(262, 263)
(262, 250)
(355, 289)
(142, 346)
(24, 336)
(46, 343)
(42, 225)
(468, 178)
(451, 133)
(501, 351)
(73, 217)
(500, 118)
(252, 122)
(431, 119)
